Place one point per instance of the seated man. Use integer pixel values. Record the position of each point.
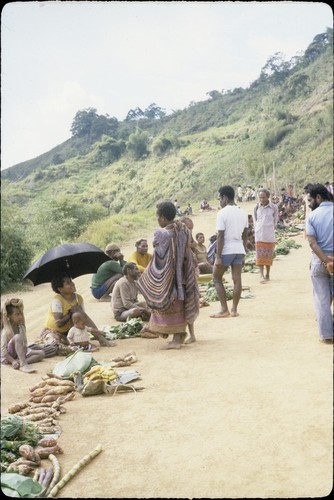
(125, 296)
(141, 257)
(205, 205)
(201, 254)
(108, 273)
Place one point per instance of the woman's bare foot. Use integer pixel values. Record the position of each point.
(27, 369)
(171, 345)
(190, 340)
(224, 314)
(234, 314)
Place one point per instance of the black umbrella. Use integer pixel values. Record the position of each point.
(75, 259)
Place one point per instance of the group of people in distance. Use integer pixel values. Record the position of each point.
(167, 279)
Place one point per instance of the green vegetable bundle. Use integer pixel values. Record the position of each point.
(131, 328)
(15, 432)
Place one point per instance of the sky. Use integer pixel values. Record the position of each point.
(61, 57)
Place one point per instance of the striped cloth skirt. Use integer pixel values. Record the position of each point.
(264, 253)
(169, 321)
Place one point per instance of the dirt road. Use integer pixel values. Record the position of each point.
(245, 412)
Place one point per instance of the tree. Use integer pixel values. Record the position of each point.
(276, 68)
(153, 111)
(214, 94)
(87, 123)
(137, 144)
(134, 114)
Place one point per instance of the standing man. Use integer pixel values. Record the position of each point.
(319, 232)
(140, 256)
(265, 222)
(125, 296)
(232, 224)
(108, 273)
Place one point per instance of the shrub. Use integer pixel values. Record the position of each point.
(16, 257)
(275, 136)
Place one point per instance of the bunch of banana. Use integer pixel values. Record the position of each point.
(99, 372)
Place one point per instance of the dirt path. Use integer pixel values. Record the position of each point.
(246, 411)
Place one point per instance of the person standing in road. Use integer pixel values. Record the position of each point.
(265, 221)
(232, 226)
(319, 232)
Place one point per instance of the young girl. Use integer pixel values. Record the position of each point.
(78, 335)
(14, 349)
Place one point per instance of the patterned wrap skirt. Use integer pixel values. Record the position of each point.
(264, 253)
(169, 321)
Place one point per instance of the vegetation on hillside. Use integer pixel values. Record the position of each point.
(276, 132)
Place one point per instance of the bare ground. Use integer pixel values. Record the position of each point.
(245, 412)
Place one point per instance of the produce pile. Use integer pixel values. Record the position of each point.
(284, 245)
(29, 433)
(131, 328)
(23, 448)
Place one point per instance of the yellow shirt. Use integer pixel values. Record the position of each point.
(61, 305)
(142, 261)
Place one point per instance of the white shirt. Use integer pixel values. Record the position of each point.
(232, 220)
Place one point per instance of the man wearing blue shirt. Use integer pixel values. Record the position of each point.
(319, 231)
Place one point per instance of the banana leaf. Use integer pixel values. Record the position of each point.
(19, 486)
(78, 361)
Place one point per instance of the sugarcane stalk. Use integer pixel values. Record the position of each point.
(56, 473)
(75, 469)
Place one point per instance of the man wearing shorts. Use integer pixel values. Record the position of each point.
(103, 281)
(232, 224)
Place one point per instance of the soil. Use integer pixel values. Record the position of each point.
(244, 412)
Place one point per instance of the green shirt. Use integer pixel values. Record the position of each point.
(107, 270)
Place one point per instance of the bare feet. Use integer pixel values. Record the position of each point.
(27, 369)
(148, 335)
(190, 340)
(171, 345)
(225, 314)
(264, 280)
(107, 343)
(234, 314)
(104, 298)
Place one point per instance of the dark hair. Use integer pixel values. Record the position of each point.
(227, 191)
(321, 190)
(139, 242)
(199, 234)
(308, 187)
(166, 209)
(128, 265)
(58, 281)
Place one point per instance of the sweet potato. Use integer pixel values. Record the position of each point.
(59, 389)
(17, 407)
(44, 452)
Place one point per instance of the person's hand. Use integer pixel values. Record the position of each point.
(330, 265)
(218, 262)
(15, 364)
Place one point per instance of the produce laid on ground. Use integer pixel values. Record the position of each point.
(29, 433)
(131, 328)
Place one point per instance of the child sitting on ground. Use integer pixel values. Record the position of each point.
(14, 348)
(78, 335)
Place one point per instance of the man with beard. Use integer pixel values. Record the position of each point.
(319, 232)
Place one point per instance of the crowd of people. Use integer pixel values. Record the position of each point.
(167, 278)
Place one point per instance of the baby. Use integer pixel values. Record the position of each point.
(78, 335)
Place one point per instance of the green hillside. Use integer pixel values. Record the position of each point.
(106, 179)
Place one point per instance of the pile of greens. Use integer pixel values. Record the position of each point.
(131, 328)
(284, 245)
(211, 294)
(14, 433)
